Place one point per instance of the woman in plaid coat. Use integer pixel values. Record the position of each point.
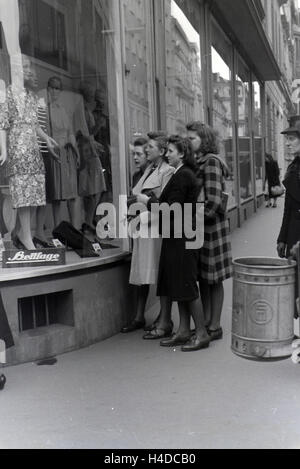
(215, 256)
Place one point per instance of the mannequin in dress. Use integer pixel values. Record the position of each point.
(25, 166)
(63, 176)
(88, 92)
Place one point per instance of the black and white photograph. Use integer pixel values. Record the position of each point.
(149, 227)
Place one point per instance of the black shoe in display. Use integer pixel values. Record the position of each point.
(42, 243)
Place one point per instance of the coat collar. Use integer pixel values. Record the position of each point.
(292, 180)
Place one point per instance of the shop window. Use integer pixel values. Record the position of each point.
(43, 32)
(244, 130)
(46, 310)
(221, 56)
(183, 56)
(139, 56)
(258, 133)
(69, 51)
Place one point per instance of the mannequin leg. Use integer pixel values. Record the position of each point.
(25, 228)
(90, 205)
(40, 223)
(56, 206)
(73, 213)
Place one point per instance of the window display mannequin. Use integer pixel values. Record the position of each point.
(88, 92)
(90, 180)
(25, 167)
(62, 177)
(103, 137)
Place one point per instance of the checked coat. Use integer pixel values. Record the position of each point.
(215, 264)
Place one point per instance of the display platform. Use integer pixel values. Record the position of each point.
(73, 263)
(56, 309)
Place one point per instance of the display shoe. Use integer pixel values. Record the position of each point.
(18, 244)
(40, 242)
(134, 326)
(215, 335)
(175, 340)
(195, 344)
(2, 382)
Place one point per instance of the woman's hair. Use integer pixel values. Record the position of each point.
(55, 79)
(269, 157)
(184, 146)
(161, 139)
(209, 137)
(140, 142)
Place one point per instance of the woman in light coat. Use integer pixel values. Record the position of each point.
(146, 251)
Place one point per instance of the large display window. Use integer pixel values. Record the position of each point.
(243, 99)
(184, 88)
(258, 135)
(60, 73)
(222, 115)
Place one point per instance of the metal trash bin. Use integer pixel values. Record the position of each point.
(263, 307)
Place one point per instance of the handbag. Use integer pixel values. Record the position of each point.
(277, 191)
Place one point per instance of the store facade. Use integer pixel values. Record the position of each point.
(108, 71)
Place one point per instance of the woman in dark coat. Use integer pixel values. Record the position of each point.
(290, 230)
(215, 264)
(178, 268)
(272, 177)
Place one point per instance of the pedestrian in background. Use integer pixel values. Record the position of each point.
(215, 263)
(290, 229)
(273, 180)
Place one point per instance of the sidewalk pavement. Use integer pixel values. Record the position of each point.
(129, 393)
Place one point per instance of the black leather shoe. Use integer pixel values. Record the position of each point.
(216, 335)
(175, 341)
(195, 344)
(2, 382)
(40, 242)
(134, 326)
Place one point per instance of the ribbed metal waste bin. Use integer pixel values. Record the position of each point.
(263, 307)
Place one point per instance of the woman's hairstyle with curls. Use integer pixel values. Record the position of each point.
(209, 137)
(184, 146)
(161, 138)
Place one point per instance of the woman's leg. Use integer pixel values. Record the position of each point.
(206, 302)
(164, 320)
(184, 329)
(195, 309)
(217, 300)
(142, 296)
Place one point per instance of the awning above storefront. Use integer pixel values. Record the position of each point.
(242, 21)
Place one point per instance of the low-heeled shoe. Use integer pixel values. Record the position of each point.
(215, 335)
(134, 326)
(174, 341)
(195, 344)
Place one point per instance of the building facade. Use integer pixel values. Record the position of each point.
(126, 67)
